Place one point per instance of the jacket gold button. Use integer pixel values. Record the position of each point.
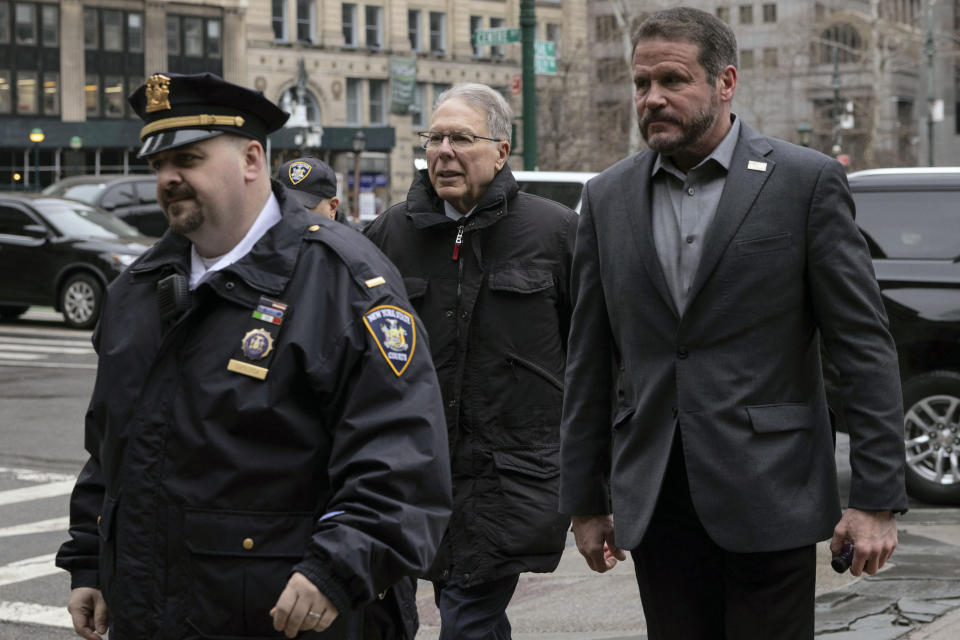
(98, 520)
(248, 543)
(313, 227)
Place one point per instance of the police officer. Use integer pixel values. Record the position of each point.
(266, 455)
(314, 184)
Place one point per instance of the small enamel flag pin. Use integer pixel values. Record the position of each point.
(753, 165)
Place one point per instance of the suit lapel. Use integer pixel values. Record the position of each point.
(749, 170)
(638, 205)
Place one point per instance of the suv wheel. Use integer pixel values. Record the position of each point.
(932, 435)
(11, 312)
(80, 301)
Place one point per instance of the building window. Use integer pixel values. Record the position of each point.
(173, 35)
(112, 30)
(378, 103)
(289, 99)
(305, 20)
(847, 37)
(5, 27)
(746, 14)
(413, 29)
(135, 32)
(438, 32)
(92, 93)
(278, 17)
(769, 13)
(497, 51)
(770, 58)
(438, 89)
(554, 32)
(91, 29)
(746, 59)
(723, 13)
(26, 92)
(349, 20)
(49, 25)
(419, 105)
(6, 95)
(214, 41)
(113, 96)
(611, 70)
(51, 93)
(193, 37)
(374, 28)
(476, 24)
(606, 28)
(25, 23)
(353, 101)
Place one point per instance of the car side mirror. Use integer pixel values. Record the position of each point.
(35, 231)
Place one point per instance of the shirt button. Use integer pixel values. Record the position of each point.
(682, 352)
(229, 286)
(247, 543)
(691, 191)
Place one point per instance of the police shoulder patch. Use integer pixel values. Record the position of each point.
(395, 333)
(298, 171)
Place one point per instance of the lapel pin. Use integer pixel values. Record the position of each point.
(753, 165)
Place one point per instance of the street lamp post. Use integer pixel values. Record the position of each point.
(359, 144)
(36, 137)
(804, 131)
(76, 143)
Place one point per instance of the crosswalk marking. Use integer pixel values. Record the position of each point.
(35, 614)
(31, 475)
(9, 346)
(37, 492)
(80, 344)
(28, 569)
(42, 526)
(46, 365)
(21, 356)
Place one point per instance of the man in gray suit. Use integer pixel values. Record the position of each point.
(707, 270)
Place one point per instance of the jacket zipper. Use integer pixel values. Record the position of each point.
(458, 243)
(513, 360)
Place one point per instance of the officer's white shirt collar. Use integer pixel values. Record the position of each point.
(269, 216)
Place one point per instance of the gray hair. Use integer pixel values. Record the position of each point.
(714, 38)
(489, 101)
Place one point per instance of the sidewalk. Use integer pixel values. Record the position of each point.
(916, 597)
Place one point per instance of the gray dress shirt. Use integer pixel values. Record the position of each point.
(684, 205)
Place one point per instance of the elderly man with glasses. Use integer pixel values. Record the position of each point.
(487, 268)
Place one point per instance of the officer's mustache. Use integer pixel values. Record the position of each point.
(175, 193)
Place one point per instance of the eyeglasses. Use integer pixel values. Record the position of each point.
(461, 141)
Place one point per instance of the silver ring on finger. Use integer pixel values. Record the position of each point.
(314, 614)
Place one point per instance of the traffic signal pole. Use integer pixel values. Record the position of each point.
(528, 24)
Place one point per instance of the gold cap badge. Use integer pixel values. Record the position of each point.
(158, 93)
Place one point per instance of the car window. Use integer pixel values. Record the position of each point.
(910, 224)
(87, 192)
(119, 195)
(566, 193)
(12, 221)
(76, 219)
(147, 190)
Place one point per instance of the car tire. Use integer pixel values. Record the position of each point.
(11, 312)
(931, 403)
(80, 301)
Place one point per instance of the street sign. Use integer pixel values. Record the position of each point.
(501, 35)
(544, 59)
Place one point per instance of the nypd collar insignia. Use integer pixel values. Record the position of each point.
(298, 171)
(395, 333)
(257, 345)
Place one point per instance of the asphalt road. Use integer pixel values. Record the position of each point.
(46, 376)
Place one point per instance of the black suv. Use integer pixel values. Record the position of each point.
(911, 220)
(133, 198)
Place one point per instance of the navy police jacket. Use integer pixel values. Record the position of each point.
(289, 420)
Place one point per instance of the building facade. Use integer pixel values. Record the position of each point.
(851, 78)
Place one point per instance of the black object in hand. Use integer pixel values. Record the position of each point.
(841, 561)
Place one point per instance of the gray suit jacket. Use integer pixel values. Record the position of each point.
(739, 374)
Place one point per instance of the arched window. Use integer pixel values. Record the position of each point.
(289, 100)
(847, 44)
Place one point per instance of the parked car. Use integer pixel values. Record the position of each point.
(133, 198)
(564, 187)
(61, 253)
(911, 221)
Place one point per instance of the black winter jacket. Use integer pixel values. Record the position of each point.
(206, 488)
(497, 306)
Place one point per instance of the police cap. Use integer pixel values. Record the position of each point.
(180, 109)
